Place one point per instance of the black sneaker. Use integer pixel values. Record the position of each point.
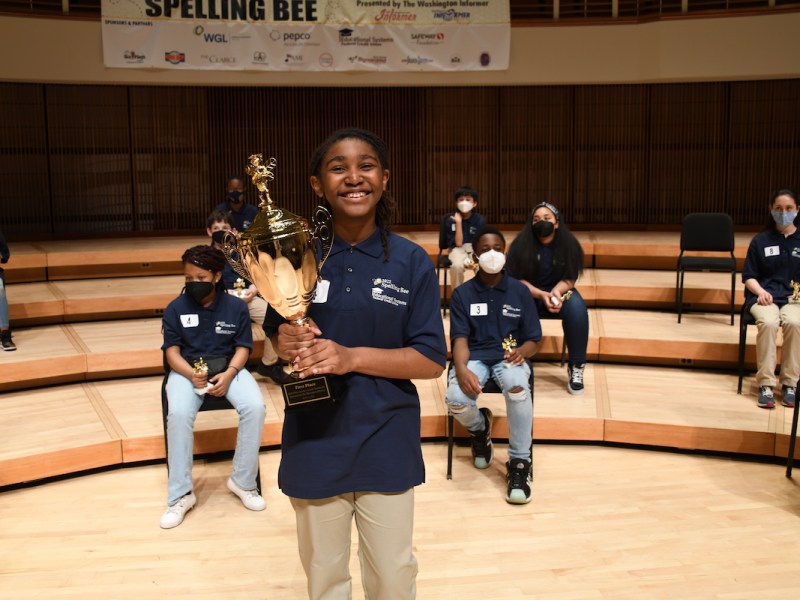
(519, 478)
(575, 383)
(482, 442)
(766, 399)
(274, 372)
(6, 342)
(788, 398)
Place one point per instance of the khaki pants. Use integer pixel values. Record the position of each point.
(768, 320)
(258, 310)
(457, 257)
(385, 523)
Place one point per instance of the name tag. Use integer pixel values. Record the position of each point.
(190, 320)
(452, 226)
(479, 309)
(321, 292)
(772, 251)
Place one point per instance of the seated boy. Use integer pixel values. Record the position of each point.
(462, 226)
(494, 328)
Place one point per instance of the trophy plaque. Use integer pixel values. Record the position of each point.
(795, 297)
(278, 253)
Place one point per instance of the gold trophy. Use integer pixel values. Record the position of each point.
(200, 367)
(239, 287)
(278, 253)
(509, 343)
(795, 297)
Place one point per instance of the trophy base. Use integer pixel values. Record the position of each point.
(306, 392)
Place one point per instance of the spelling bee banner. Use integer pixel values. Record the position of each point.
(307, 35)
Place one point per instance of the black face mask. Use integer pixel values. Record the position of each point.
(235, 197)
(218, 236)
(199, 290)
(542, 229)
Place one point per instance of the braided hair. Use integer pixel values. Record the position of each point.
(205, 257)
(385, 209)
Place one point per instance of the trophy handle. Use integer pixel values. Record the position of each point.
(323, 231)
(230, 250)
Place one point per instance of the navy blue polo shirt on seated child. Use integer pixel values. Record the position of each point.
(243, 218)
(214, 330)
(368, 440)
(469, 227)
(486, 315)
(774, 260)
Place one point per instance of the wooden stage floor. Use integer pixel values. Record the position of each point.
(82, 390)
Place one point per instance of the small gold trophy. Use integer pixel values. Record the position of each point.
(239, 288)
(795, 297)
(200, 367)
(509, 343)
(278, 253)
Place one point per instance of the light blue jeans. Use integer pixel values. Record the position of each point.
(245, 396)
(519, 409)
(3, 305)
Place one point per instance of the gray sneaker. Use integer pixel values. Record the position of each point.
(765, 397)
(788, 398)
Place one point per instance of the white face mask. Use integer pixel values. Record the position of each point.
(492, 261)
(465, 205)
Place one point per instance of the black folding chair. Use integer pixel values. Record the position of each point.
(705, 232)
(209, 403)
(745, 319)
(792, 440)
(490, 387)
(442, 260)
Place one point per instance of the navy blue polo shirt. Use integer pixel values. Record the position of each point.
(369, 438)
(241, 219)
(215, 330)
(773, 260)
(485, 315)
(469, 227)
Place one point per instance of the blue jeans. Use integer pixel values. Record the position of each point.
(519, 409)
(3, 304)
(245, 396)
(575, 322)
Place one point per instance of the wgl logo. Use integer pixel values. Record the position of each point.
(211, 38)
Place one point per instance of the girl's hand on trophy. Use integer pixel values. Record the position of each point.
(290, 339)
(323, 357)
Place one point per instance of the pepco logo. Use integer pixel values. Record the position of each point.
(174, 57)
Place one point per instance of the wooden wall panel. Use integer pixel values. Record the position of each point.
(107, 160)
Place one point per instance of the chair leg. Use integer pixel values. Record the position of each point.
(742, 342)
(792, 441)
(450, 442)
(733, 291)
(444, 298)
(679, 292)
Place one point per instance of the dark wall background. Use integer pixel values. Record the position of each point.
(80, 160)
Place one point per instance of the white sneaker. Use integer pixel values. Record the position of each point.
(174, 514)
(250, 498)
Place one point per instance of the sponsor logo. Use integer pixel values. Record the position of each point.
(452, 15)
(259, 57)
(210, 38)
(275, 35)
(368, 60)
(345, 32)
(130, 56)
(293, 59)
(485, 59)
(218, 60)
(395, 16)
(326, 59)
(175, 57)
(296, 36)
(417, 60)
(455, 60)
(346, 38)
(427, 38)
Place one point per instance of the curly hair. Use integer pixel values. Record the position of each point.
(205, 257)
(385, 210)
